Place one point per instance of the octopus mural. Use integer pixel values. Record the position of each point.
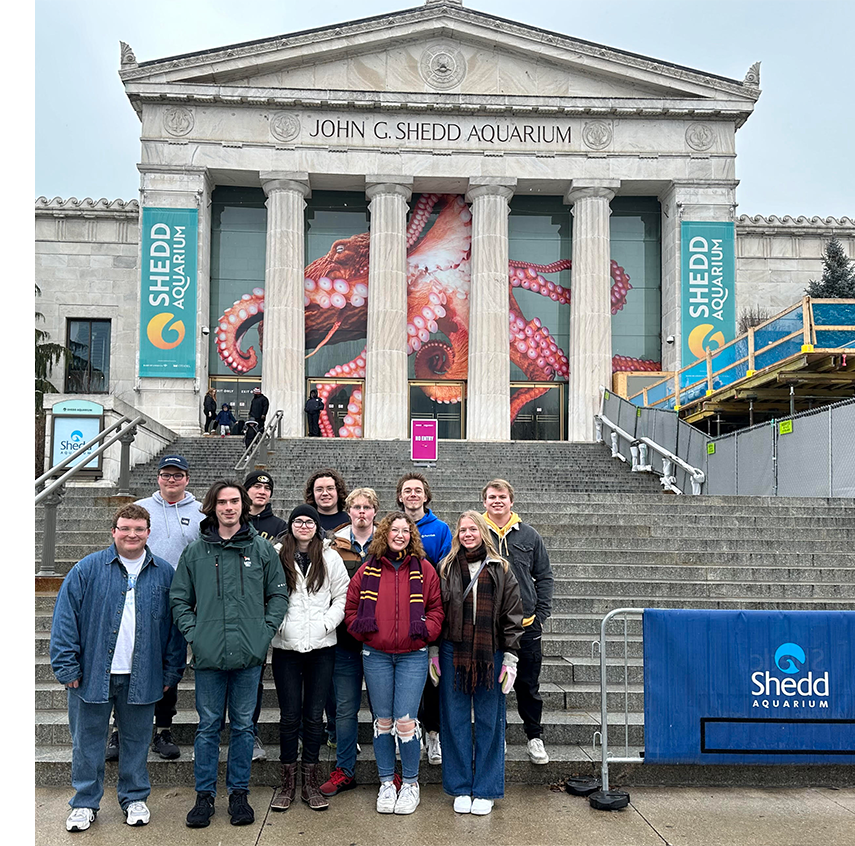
(439, 238)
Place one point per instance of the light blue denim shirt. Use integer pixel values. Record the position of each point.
(86, 621)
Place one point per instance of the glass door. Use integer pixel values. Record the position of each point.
(540, 416)
(342, 415)
(442, 401)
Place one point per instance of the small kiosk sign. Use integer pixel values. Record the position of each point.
(423, 440)
(75, 423)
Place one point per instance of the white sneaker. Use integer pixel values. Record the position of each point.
(387, 798)
(258, 751)
(482, 807)
(536, 752)
(137, 813)
(462, 804)
(408, 798)
(434, 749)
(80, 819)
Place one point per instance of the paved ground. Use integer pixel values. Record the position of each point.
(528, 815)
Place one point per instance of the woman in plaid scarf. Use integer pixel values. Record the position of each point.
(394, 608)
(477, 664)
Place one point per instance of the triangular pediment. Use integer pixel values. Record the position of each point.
(442, 49)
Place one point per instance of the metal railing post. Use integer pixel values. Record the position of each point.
(47, 566)
(126, 439)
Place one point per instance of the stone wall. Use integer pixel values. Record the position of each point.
(776, 258)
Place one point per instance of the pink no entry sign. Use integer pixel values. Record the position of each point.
(423, 440)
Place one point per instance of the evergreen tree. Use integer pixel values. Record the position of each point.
(838, 275)
(47, 354)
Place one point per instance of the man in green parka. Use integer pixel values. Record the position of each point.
(228, 599)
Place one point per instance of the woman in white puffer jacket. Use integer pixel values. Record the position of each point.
(304, 651)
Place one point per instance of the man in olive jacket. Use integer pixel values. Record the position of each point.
(228, 599)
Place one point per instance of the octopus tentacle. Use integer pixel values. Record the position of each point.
(419, 217)
(623, 363)
(523, 397)
(352, 427)
(234, 324)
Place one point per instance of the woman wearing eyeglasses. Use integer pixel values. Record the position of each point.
(476, 664)
(394, 607)
(304, 651)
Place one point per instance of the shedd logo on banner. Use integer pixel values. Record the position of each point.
(154, 331)
(772, 691)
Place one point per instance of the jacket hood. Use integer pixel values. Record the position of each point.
(208, 529)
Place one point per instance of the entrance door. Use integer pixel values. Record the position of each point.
(343, 408)
(444, 402)
(541, 418)
(236, 392)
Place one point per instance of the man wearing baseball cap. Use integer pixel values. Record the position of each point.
(175, 518)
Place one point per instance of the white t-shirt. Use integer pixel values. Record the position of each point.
(124, 654)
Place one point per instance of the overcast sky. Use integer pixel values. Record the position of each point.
(794, 153)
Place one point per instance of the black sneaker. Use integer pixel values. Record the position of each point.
(165, 746)
(239, 808)
(112, 753)
(201, 813)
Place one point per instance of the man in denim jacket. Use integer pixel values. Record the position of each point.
(113, 645)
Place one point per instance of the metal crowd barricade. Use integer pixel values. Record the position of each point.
(627, 758)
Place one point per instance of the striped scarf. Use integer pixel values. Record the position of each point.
(366, 620)
(474, 656)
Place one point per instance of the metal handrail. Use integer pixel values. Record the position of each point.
(638, 450)
(100, 436)
(78, 467)
(266, 436)
(53, 493)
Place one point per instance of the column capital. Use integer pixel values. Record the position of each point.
(581, 188)
(379, 184)
(491, 186)
(280, 180)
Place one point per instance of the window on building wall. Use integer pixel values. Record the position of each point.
(89, 363)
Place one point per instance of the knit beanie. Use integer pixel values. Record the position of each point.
(259, 476)
(305, 511)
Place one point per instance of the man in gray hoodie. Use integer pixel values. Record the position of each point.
(175, 519)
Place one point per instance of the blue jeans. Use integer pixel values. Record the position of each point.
(347, 681)
(214, 690)
(481, 775)
(89, 724)
(395, 684)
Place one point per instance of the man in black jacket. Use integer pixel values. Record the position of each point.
(258, 407)
(523, 548)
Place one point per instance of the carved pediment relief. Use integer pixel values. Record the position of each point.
(439, 48)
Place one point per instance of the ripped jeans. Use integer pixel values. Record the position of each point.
(395, 683)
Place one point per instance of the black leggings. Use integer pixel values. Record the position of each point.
(302, 681)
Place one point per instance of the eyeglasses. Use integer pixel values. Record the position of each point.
(303, 524)
(130, 530)
(169, 476)
(399, 531)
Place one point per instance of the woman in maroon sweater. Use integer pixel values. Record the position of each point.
(394, 607)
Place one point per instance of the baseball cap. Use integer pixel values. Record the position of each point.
(178, 461)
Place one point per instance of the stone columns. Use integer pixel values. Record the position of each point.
(488, 405)
(590, 306)
(385, 415)
(283, 362)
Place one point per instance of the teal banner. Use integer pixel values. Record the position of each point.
(168, 296)
(708, 274)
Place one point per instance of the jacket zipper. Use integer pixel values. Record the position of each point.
(240, 567)
(217, 568)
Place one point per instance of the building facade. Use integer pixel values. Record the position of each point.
(431, 213)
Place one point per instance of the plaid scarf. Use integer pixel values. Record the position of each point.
(474, 656)
(366, 620)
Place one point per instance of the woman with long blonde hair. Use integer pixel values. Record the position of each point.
(476, 664)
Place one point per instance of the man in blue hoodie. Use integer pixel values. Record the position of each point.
(175, 519)
(413, 495)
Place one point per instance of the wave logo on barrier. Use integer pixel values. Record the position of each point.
(155, 329)
(699, 342)
(792, 656)
(772, 691)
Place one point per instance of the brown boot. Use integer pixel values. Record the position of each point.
(284, 795)
(311, 792)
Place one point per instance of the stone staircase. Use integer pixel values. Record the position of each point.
(614, 540)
